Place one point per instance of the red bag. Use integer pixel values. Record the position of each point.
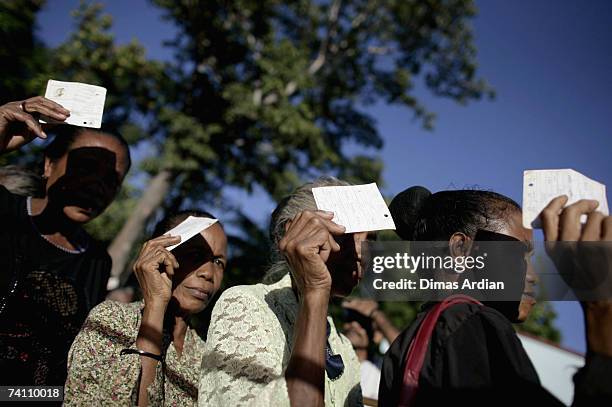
(419, 345)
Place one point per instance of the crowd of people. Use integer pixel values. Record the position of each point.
(272, 343)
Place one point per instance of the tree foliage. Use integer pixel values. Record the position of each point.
(258, 93)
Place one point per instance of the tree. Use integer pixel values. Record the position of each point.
(21, 54)
(260, 93)
(270, 93)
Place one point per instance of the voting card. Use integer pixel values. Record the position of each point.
(189, 228)
(359, 208)
(85, 102)
(541, 186)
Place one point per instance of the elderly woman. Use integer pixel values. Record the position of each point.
(52, 273)
(274, 345)
(148, 352)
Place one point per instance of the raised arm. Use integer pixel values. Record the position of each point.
(19, 121)
(307, 245)
(588, 263)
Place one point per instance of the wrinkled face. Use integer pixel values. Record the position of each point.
(85, 180)
(516, 230)
(202, 260)
(345, 265)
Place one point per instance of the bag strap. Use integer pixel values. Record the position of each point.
(419, 345)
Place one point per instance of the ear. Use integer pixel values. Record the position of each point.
(459, 244)
(47, 168)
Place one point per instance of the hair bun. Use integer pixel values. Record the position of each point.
(405, 208)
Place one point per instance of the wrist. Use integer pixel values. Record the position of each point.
(315, 295)
(155, 307)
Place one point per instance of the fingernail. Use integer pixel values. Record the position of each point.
(43, 134)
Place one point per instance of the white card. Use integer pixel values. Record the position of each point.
(541, 186)
(189, 228)
(359, 208)
(85, 102)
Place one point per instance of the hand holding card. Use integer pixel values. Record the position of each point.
(359, 208)
(85, 102)
(541, 186)
(189, 228)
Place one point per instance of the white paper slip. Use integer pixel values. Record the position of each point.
(85, 102)
(541, 186)
(189, 228)
(359, 208)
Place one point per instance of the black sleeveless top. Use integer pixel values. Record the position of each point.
(45, 296)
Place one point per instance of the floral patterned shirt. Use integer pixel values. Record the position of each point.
(99, 376)
(249, 344)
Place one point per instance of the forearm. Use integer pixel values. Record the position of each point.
(305, 372)
(149, 339)
(386, 327)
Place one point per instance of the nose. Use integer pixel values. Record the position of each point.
(206, 271)
(531, 277)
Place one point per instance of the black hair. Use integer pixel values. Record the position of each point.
(421, 215)
(173, 219)
(65, 136)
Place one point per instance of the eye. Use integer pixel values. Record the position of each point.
(219, 262)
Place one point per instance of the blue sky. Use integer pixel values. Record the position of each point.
(551, 65)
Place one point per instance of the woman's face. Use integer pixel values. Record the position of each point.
(345, 265)
(516, 230)
(202, 261)
(85, 180)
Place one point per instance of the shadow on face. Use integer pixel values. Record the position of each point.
(345, 265)
(85, 180)
(516, 230)
(202, 261)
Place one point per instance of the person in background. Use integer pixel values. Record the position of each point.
(363, 319)
(274, 345)
(52, 273)
(20, 181)
(148, 352)
(474, 356)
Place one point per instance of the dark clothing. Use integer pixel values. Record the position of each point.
(475, 358)
(45, 296)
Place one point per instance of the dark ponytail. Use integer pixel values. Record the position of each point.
(420, 215)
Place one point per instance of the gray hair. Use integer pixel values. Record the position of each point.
(20, 181)
(299, 200)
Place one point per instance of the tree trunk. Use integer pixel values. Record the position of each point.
(121, 246)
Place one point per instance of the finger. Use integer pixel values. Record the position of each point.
(293, 230)
(168, 265)
(163, 262)
(167, 279)
(592, 229)
(550, 217)
(16, 114)
(50, 104)
(606, 229)
(173, 259)
(335, 246)
(163, 241)
(171, 241)
(46, 111)
(325, 214)
(569, 223)
(332, 227)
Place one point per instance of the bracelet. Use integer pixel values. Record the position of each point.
(128, 351)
